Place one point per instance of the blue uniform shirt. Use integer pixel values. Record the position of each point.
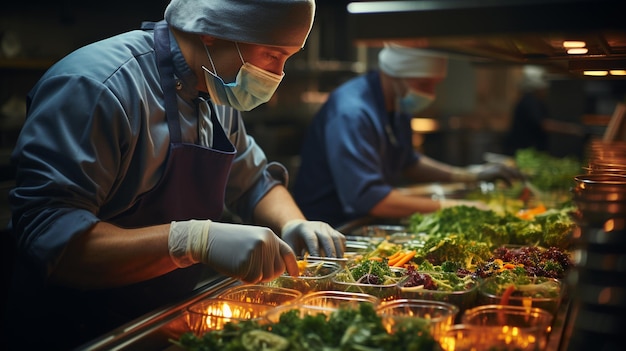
(96, 138)
(353, 153)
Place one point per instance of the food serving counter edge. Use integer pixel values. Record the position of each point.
(154, 331)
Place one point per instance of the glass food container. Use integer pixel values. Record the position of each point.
(261, 294)
(509, 327)
(214, 314)
(273, 315)
(463, 299)
(316, 276)
(344, 281)
(336, 299)
(541, 292)
(436, 317)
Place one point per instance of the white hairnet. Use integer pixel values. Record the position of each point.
(264, 22)
(405, 62)
(534, 78)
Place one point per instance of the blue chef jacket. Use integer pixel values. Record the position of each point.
(353, 153)
(106, 105)
(96, 140)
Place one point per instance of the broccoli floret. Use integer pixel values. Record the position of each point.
(494, 234)
(475, 252)
(457, 219)
(439, 250)
(426, 266)
(450, 266)
(558, 227)
(369, 268)
(525, 232)
(455, 249)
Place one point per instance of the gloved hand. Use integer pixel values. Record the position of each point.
(303, 235)
(249, 253)
(490, 172)
(444, 203)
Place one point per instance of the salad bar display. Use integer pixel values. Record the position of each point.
(459, 278)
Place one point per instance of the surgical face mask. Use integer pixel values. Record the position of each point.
(252, 87)
(414, 101)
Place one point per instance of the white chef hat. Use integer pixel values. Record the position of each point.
(264, 22)
(534, 78)
(405, 62)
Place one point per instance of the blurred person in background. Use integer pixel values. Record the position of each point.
(531, 123)
(358, 147)
(131, 149)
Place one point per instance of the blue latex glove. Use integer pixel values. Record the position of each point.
(250, 253)
(303, 236)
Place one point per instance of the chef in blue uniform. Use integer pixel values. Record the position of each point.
(358, 148)
(132, 148)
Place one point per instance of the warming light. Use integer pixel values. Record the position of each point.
(568, 44)
(577, 51)
(217, 316)
(424, 125)
(618, 72)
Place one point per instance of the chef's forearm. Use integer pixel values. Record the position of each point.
(109, 256)
(398, 205)
(276, 208)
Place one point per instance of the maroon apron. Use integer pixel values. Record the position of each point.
(192, 186)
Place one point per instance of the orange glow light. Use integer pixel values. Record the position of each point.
(577, 51)
(574, 44)
(596, 73)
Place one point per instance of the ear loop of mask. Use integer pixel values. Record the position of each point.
(210, 59)
(239, 52)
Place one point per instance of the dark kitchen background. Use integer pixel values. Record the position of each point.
(470, 116)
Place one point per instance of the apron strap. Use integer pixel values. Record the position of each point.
(168, 84)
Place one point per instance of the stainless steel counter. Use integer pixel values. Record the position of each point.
(153, 331)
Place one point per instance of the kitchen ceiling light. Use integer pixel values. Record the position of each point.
(617, 72)
(577, 51)
(596, 73)
(568, 44)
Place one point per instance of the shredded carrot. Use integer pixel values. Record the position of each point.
(509, 266)
(397, 257)
(531, 212)
(394, 255)
(504, 300)
(406, 258)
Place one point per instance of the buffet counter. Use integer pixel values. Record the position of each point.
(157, 330)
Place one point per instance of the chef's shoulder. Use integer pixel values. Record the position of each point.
(121, 54)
